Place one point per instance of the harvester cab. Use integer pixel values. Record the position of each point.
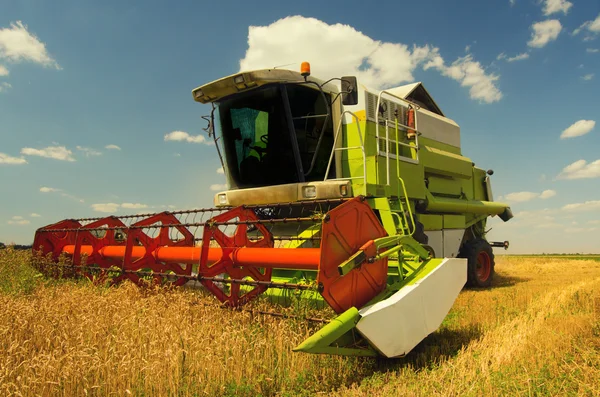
(361, 198)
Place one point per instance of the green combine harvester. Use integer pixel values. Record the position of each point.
(360, 198)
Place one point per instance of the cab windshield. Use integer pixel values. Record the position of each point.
(271, 135)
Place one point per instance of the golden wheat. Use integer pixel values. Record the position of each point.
(537, 332)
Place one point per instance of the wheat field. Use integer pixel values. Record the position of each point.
(537, 332)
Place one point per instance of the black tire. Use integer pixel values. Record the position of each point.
(480, 263)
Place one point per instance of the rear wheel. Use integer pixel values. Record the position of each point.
(480, 263)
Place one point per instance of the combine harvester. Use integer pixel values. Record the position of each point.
(361, 197)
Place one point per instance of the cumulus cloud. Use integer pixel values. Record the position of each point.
(34, 215)
(519, 197)
(592, 27)
(112, 147)
(6, 159)
(105, 207)
(349, 52)
(593, 205)
(554, 6)
(592, 50)
(217, 187)
(578, 128)
(184, 136)
(220, 170)
(470, 73)
(546, 194)
(544, 32)
(5, 86)
(51, 152)
(580, 229)
(88, 152)
(113, 207)
(134, 206)
(18, 220)
(587, 77)
(17, 44)
(518, 57)
(3, 71)
(46, 189)
(581, 169)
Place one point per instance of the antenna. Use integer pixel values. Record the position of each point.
(280, 66)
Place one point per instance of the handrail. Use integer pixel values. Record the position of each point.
(401, 186)
(361, 147)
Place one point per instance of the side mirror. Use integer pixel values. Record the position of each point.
(349, 90)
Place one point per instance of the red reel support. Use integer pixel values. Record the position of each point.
(229, 245)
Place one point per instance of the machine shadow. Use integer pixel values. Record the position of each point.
(434, 349)
(503, 281)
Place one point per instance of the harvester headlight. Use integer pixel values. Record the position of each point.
(309, 191)
(222, 198)
(198, 94)
(239, 79)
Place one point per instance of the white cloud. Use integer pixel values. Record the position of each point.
(220, 170)
(581, 169)
(3, 71)
(546, 194)
(17, 44)
(470, 73)
(113, 207)
(51, 152)
(520, 197)
(544, 32)
(583, 207)
(184, 136)
(5, 86)
(48, 189)
(578, 128)
(592, 26)
(112, 147)
(34, 215)
(217, 186)
(6, 159)
(580, 229)
(592, 50)
(518, 57)
(105, 207)
(588, 76)
(554, 6)
(88, 151)
(338, 50)
(17, 220)
(135, 206)
(512, 2)
(594, 222)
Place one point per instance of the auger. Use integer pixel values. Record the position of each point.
(360, 196)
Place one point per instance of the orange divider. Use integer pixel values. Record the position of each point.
(274, 258)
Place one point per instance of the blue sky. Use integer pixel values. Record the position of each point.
(90, 92)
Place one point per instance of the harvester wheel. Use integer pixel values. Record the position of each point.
(480, 263)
